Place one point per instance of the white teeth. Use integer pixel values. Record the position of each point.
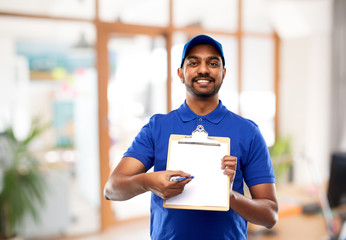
(202, 81)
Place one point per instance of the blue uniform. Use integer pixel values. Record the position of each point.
(253, 166)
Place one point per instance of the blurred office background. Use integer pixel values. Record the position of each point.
(96, 70)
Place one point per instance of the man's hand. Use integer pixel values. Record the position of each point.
(229, 165)
(159, 183)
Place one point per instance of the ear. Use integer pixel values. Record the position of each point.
(180, 74)
(223, 73)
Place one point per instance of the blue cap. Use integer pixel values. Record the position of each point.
(202, 39)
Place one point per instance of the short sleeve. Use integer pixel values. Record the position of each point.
(258, 168)
(142, 147)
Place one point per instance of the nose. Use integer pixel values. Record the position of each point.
(203, 68)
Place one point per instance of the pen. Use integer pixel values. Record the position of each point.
(175, 179)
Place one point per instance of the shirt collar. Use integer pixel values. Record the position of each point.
(186, 114)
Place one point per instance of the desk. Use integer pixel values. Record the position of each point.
(297, 227)
(293, 223)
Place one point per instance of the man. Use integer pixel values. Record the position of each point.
(202, 71)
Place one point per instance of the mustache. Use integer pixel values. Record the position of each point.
(206, 76)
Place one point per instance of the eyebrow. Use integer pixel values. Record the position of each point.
(191, 57)
(214, 58)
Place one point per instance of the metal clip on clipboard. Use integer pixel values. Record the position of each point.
(199, 137)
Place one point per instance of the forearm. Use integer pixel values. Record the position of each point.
(258, 211)
(124, 187)
(121, 186)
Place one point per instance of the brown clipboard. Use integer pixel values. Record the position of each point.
(200, 155)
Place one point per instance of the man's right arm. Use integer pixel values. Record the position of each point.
(130, 179)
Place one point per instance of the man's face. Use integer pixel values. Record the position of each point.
(203, 71)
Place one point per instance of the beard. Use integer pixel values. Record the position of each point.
(200, 94)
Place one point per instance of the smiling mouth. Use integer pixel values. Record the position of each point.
(203, 80)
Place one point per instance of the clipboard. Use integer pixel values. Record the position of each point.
(200, 155)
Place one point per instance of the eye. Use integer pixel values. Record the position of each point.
(214, 64)
(192, 63)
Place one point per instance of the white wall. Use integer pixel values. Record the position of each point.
(305, 101)
(305, 86)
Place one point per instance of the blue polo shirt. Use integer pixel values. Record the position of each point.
(253, 167)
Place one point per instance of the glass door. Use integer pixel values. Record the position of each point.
(136, 89)
(49, 81)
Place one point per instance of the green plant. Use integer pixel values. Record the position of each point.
(281, 155)
(22, 185)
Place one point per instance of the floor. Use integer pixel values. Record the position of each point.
(134, 230)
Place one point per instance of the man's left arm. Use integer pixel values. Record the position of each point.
(261, 209)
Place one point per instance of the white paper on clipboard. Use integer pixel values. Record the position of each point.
(200, 156)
